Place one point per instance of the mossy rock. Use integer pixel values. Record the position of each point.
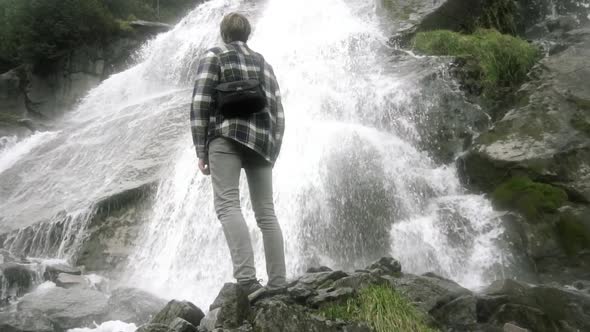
(532, 199)
(573, 232)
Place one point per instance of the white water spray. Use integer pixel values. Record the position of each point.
(351, 184)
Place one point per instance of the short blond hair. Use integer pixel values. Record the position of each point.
(235, 27)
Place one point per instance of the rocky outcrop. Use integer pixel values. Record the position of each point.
(536, 161)
(506, 305)
(30, 94)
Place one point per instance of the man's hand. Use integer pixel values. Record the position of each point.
(204, 167)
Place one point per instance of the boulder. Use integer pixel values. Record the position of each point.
(15, 280)
(132, 305)
(387, 265)
(69, 281)
(234, 306)
(536, 306)
(428, 291)
(66, 308)
(52, 271)
(25, 322)
(179, 309)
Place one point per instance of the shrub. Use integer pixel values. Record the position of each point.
(382, 307)
(34, 30)
(505, 60)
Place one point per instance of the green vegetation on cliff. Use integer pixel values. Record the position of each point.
(532, 199)
(381, 306)
(504, 60)
(32, 31)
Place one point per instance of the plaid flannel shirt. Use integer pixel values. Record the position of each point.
(261, 132)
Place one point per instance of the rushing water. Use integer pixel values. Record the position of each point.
(351, 184)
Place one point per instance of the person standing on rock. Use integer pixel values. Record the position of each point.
(237, 122)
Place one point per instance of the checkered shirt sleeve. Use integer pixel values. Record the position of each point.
(203, 101)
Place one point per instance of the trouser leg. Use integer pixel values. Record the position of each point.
(260, 184)
(225, 162)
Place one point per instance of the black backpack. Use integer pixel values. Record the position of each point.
(241, 98)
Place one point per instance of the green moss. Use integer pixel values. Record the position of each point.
(382, 307)
(505, 60)
(532, 199)
(574, 235)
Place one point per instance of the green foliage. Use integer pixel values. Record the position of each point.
(35, 30)
(499, 15)
(532, 199)
(505, 60)
(382, 307)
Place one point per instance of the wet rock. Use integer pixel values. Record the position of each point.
(52, 271)
(150, 27)
(550, 306)
(460, 313)
(428, 291)
(359, 280)
(508, 327)
(325, 296)
(179, 309)
(181, 325)
(534, 161)
(115, 228)
(133, 305)
(25, 322)
(69, 281)
(318, 269)
(66, 308)
(272, 315)
(234, 306)
(388, 265)
(524, 316)
(315, 280)
(155, 328)
(301, 293)
(15, 280)
(210, 321)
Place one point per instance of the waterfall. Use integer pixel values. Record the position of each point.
(350, 185)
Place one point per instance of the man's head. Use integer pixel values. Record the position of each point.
(235, 27)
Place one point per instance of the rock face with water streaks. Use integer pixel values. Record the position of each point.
(536, 160)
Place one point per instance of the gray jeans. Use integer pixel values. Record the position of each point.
(226, 159)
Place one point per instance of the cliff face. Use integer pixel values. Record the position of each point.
(32, 94)
(533, 160)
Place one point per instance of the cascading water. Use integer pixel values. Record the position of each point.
(351, 184)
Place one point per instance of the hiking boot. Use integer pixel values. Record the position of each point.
(250, 286)
(266, 292)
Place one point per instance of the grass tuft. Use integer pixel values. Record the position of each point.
(382, 307)
(505, 60)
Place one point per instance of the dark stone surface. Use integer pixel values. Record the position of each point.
(179, 309)
(25, 322)
(234, 306)
(15, 280)
(52, 271)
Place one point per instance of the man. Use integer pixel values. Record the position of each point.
(225, 145)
